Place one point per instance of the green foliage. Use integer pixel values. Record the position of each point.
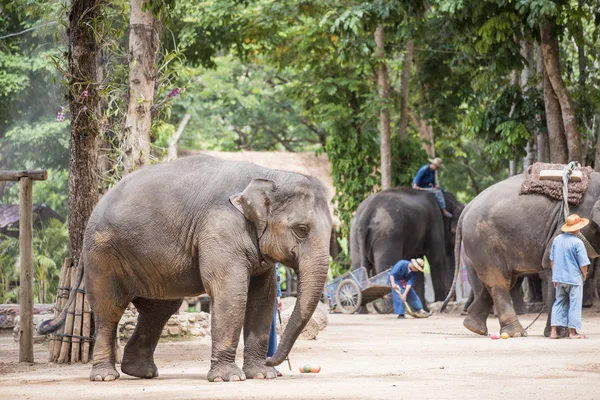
(9, 274)
(50, 248)
(242, 107)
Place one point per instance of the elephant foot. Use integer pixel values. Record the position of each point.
(139, 367)
(226, 373)
(514, 330)
(475, 326)
(103, 372)
(259, 371)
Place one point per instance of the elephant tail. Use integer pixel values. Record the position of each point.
(51, 326)
(457, 266)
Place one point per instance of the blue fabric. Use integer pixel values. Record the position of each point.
(439, 195)
(569, 255)
(566, 310)
(277, 265)
(425, 177)
(411, 298)
(273, 334)
(400, 272)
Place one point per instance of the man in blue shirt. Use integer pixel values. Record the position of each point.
(569, 269)
(402, 279)
(425, 179)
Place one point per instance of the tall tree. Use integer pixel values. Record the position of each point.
(551, 54)
(543, 145)
(85, 77)
(384, 114)
(406, 68)
(554, 122)
(144, 34)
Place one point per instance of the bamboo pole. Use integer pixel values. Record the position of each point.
(87, 324)
(66, 344)
(57, 305)
(63, 302)
(26, 264)
(76, 342)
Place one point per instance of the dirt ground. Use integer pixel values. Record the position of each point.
(361, 356)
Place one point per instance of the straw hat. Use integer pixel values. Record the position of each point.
(574, 223)
(418, 264)
(437, 162)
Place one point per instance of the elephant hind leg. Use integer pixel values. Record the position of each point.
(107, 313)
(478, 311)
(138, 357)
(509, 322)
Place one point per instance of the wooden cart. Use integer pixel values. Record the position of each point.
(354, 289)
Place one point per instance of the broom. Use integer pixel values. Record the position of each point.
(409, 310)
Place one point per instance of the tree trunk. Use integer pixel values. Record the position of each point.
(84, 80)
(408, 55)
(556, 136)
(526, 75)
(384, 115)
(550, 51)
(423, 125)
(425, 133)
(543, 145)
(144, 32)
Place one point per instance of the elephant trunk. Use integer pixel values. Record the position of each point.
(311, 280)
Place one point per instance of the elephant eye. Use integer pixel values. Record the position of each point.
(301, 231)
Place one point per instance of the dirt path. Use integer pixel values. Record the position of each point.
(362, 357)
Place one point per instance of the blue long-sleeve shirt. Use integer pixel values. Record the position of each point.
(400, 272)
(425, 177)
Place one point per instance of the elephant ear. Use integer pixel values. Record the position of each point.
(255, 202)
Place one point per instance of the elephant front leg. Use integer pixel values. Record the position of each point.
(229, 298)
(257, 326)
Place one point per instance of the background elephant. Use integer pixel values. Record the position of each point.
(402, 223)
(203, 225)
(507, 236)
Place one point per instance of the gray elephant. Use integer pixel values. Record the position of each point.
(403, 223)
(203, 225)
(506, 236)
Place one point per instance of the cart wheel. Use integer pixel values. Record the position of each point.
(348, 296)
(384, 305)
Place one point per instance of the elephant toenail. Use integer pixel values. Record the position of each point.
(259, 376)
(109, 378)
(218, 379)
(234, 378)
(243, 377)
(270, 375)
(98, 378)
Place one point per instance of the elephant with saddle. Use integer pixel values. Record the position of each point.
(506, 236)
(402, 223)
(202, 225)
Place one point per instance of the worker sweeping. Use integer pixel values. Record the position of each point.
(402, 279)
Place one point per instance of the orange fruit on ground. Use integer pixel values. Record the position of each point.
(315, 368)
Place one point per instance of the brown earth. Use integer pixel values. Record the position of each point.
(361, 356)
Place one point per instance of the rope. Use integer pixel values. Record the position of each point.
(536, 318)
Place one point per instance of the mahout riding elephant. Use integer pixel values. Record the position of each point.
(203, 225)
(400, 224)
(506, 236)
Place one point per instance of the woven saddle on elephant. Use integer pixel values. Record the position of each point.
(553, 189)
